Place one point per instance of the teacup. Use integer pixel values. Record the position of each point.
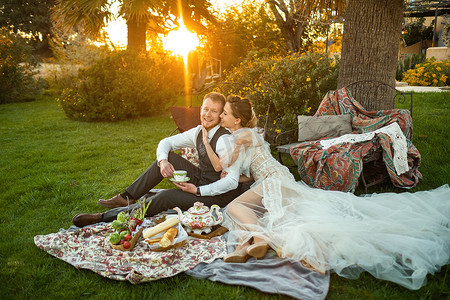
(179, 175)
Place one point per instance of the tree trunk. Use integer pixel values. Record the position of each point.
(137, 30)
(370, 45)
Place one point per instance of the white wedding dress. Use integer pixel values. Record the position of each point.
(398, 237)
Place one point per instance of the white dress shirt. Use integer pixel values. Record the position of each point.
(189, 139)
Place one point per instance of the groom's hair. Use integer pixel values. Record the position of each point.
(216, 97)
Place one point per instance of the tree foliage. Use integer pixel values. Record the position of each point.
(240, 30)
(31, 18)
(293, 16)
(416, 31)
(17, 65)
(141, 15)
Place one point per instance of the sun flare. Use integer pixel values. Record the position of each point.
(181, 41)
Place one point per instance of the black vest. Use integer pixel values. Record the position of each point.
(207, 172)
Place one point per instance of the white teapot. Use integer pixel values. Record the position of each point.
(199, 218)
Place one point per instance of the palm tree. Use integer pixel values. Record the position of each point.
(91, 16)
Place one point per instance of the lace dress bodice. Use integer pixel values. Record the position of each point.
(263, 165)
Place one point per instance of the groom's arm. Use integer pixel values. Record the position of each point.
(175, 142)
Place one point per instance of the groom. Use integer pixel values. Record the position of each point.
(205, 184)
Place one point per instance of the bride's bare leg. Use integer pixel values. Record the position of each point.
(244, 210)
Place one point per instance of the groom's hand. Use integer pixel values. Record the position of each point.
(166, 168)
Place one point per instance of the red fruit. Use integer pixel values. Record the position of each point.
(137, 221)
(121, 242)
(126, 244)
(128, 237)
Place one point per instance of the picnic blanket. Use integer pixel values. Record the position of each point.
(339, 167)
(89, 248)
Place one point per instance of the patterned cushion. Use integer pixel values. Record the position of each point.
(311, 128)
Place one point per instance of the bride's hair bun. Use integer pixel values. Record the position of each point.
(242, 108)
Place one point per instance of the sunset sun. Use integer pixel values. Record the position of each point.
(181, 41)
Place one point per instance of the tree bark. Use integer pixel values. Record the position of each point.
(370, 45)
(137, 34)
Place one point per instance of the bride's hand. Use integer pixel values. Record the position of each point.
(223, 174)
(186, 187)
(205, 135)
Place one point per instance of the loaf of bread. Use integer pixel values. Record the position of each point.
(168, 237)
(149, 232)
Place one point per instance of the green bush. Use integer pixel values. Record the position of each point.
(416, 31)
(124, 85)
(291, 85)
(17, 67)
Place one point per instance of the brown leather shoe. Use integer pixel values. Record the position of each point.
(82, 220)
(116, 201)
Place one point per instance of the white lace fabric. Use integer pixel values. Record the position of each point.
(395, 134)
(397, 237)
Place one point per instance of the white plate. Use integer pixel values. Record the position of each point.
(173, 180)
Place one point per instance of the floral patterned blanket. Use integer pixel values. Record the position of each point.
(339, 167)
(89, 248)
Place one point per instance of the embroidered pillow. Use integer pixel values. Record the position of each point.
(312, 128)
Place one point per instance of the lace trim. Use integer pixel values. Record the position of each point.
(393, 131)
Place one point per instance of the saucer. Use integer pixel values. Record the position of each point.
(185, 180)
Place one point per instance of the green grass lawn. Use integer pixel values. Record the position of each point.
(53, 168)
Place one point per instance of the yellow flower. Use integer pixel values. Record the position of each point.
(278, 130)
(438, 68)
(308, 79)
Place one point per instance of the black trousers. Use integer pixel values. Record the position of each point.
(168, 199)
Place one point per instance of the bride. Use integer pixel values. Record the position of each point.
(397, 237)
